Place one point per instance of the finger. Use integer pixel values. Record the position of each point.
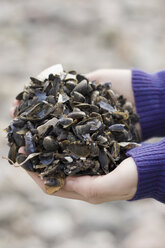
(98, 189)
(92, 76)
(86, 186)
(69, 194)
(37, 179)
(16, 102)
(12, 112)
(22, 150)
(14, 105)
(118, 185)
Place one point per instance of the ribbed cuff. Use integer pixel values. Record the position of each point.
(150, 162)
(149, 94)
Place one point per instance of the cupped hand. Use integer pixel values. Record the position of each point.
(121, 183)
(120, 79)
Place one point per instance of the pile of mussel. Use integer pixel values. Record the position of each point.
(70, 126)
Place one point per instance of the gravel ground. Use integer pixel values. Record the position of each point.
(82, 35)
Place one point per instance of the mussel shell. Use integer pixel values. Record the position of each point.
(39, 112)
(27, 165)
(70, 84)
(52, 185)
(43, 128)
(128, 145)
(70, 76)
(106, 106)
(88, 107)
(80, 77)
(115, 151)
(94, 96)
(117, 128)
(46, 158)
(104, 161)
(63, 98)
(58, 109)
(12, 153)
(50, 144)
(121, 115)
(80, 150)
(66, 122)
(101, 139)
(19, 97)
(78, 97)
(36, 81)
(29, 143)
(19, 123)
(83, 87)
(51, 99)
(76, 115)
(112, 97)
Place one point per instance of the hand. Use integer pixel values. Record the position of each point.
(120, 79)
(120, 184)
(121, 84)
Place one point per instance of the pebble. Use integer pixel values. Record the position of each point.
(103, 35)
(52, 224)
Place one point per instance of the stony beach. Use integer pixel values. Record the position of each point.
(85, 36)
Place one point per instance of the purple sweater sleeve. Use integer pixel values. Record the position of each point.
(149, 93)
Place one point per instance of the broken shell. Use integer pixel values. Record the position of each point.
(104, 160)
(94, 96)
(78, 97)
(27, 165)
(29, 143)
(52, 185)
(66, 122)
(83, 87)
(115, 151)
(12, 153)
(50, 144)
(106, 106)
(88, 107)
(102, 139)
(76, 115)
(117, 128)
(128, 145)
(42, 128)
(38, 112)
(70, 84)
(80, 150)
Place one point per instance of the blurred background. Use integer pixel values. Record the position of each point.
(82, 35)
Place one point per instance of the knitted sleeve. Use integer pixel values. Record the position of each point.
(150, 162)
(149, 93)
